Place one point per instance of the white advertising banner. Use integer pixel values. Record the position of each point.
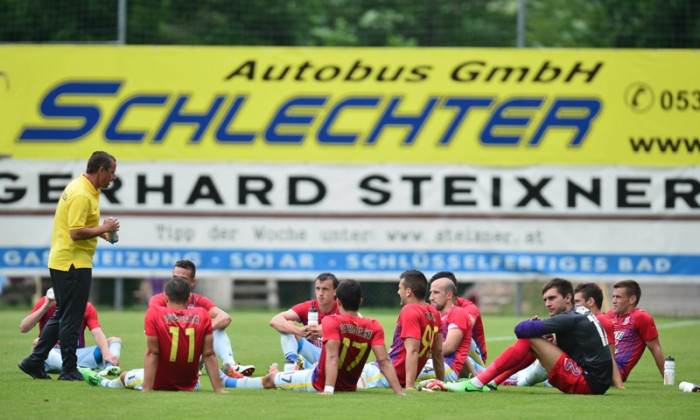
(370, 221)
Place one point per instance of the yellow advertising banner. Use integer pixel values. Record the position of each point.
(505, 107)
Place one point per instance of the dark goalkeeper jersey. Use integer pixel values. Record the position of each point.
(580, 335)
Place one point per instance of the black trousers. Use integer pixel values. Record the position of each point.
(72, 289)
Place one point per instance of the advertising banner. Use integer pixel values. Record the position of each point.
(369, 221)
(283, 162)
(495, 107)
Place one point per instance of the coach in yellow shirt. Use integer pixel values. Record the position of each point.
(75, 231)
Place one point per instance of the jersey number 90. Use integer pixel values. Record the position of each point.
(427, 340)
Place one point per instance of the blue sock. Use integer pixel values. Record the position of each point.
(289, 347)
(226, 381)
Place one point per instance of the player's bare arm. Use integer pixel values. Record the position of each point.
(219, 318)
(654, 346)
(412, 346)
(332, 355)
(103, 345)
(468, 369)
(454, 337)
(150, 363)
(109, 225)
(438, 360)
(617, 378)
(212, 364)
(286, 323)
(387, 368)
(33, 318)
(312, 332)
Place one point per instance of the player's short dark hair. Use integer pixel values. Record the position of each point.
(177, 289)
(187, 265)
(99, 160)
(447, 274)
(631, 288)
(328, 276)
(416, 281)
(590, 290)
(563, 286)
(349, 293)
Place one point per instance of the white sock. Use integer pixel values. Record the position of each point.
(477, 383)
(535, 375)
(54, 360)
(222, 347)
(115, 347)
(112, 383)
(250, 383)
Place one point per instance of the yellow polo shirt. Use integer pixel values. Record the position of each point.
(78, 207)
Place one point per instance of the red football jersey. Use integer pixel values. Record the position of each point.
(196, 301)
(478, 327)
(457, 318)
(90, 320)
(180, 334)
(419, 321)
(632, 331)
(607, 325)
(357, 336)
(302, 311)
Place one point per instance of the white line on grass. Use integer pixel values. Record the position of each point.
(679, 324)
(511, 337)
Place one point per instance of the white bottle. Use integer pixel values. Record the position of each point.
(313, 316)
(669, 371)
(688, 387)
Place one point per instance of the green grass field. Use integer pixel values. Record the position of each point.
(255, 342)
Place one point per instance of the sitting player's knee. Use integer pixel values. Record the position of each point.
(268, 381)
(122, 378)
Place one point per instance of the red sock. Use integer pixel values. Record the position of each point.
(513, 359)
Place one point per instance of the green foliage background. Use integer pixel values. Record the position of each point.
(473, 23)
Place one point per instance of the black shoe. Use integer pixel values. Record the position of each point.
(73, 375)
(34, 372)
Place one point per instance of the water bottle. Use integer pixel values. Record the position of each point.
(111, 236)
(313, 315)
(669, 371)
(688, 387)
